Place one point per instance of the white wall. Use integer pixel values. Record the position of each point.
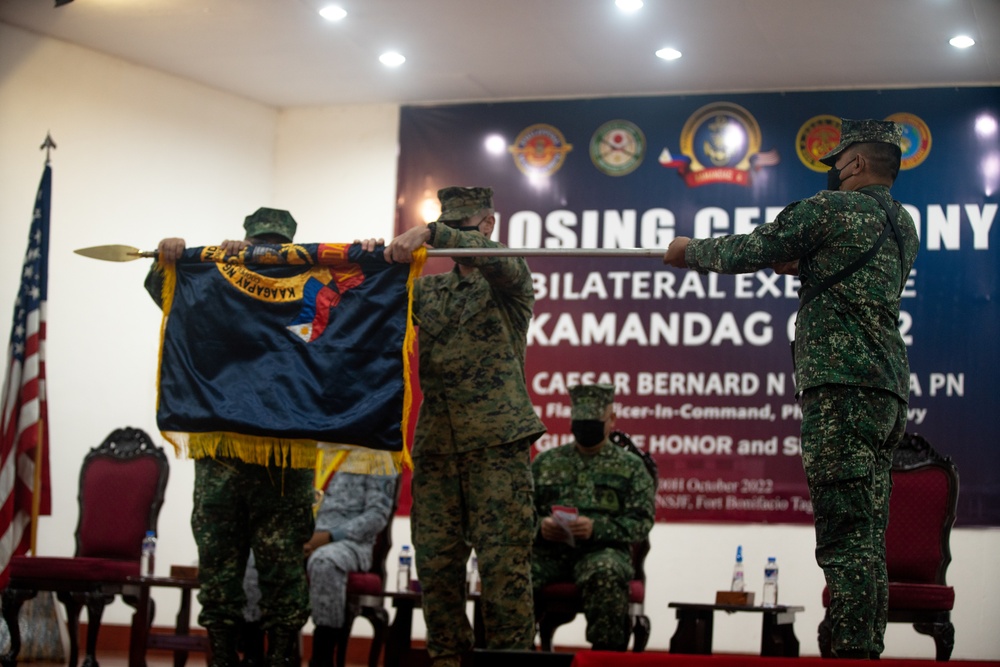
(143, 155)
(336, 171)
(140, 156)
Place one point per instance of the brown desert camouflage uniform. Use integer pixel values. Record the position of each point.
(852, 372)
(472, 478)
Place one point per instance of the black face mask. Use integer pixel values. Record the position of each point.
(588, 432)
(470, 228)
(833, 178)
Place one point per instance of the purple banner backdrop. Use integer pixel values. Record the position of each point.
(701, 363)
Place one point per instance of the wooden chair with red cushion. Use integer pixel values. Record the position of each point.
(364, 592)
(922, 511)
(122, 484)
(558, 603)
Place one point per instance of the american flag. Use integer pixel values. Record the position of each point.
(25, 417)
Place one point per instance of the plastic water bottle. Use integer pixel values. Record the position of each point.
(738, 584)
(147, 561)
(403, 574)
(475, 583)
(770, 583)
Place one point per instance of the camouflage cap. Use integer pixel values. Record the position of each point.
(457, 203)
(270, 221)
(863, 132)
(590, 400)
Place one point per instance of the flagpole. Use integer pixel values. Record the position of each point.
(124, 253)
(36, 496)
(545, 252)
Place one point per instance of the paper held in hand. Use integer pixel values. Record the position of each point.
(564, 516)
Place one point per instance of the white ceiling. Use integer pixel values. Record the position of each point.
(283, 54)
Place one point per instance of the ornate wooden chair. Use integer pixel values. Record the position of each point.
(364, 593)
(558, 603)
(122, 483)
(922, 511)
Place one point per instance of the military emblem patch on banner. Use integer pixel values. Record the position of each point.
(916, 139)
(540, 150)
(721, 144)
(617, 147)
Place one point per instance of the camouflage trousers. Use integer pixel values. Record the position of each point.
(482, 500)
(239, 506)
(848, 437)
(602, 577)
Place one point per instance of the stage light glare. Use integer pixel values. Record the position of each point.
(391, 59)
(668, 53)
(986, 126)
(961, 41)
(495, 144)
(629, 6)
(990, 168)
(732, 139)
(333, 13)
(430, 209)
(538, 181)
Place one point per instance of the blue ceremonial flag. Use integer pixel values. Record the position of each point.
(269, 352)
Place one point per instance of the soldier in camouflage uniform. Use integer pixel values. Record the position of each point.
(613, 493)
(851, 368)
(472, 476)
(239, 505)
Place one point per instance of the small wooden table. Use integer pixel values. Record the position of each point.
(694, 628)
(181, 642)
(399, 645)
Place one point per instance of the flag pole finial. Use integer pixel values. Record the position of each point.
(47, 146)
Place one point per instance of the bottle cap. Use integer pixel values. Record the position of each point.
(739, 554)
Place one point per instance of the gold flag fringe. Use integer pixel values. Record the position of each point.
(256, 449)
(416, 268)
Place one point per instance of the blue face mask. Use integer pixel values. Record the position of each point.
(588, 432)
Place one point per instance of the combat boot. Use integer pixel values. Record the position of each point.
(323, 645)
(252, 644)
(283, 647)
(222, 641)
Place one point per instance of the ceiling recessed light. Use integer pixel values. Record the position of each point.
(629, 5)
(668, 54)
(961, 41)
(333, 13)
(391, 59)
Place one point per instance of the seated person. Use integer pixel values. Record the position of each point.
(355, 508)
(613, 494)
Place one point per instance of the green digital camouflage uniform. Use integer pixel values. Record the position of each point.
(852, 372)
(615, 490)
(472, 477)
(239, 506)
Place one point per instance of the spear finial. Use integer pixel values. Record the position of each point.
(48, 145)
